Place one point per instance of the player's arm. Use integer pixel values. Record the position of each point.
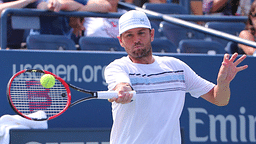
(220, 94)
(123, 93)
(118, 80)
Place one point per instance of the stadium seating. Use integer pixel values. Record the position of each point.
(100, 44)
(21, 23)
(154, 25)
(163, 45)
(233, 28)
(232, 47)
(50, 42)
(201, 46)
(173, 32)
(166, 8)
(177, 33)
(112, 44)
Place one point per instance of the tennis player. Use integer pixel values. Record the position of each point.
(160, 82)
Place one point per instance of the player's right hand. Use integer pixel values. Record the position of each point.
(123, 98)
(123, 93)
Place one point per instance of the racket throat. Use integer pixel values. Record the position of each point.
(93, 96)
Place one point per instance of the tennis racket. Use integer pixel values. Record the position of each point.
(26, 95)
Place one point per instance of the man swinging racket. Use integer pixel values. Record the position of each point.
(160, 83)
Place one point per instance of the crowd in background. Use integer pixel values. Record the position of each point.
(74, 27)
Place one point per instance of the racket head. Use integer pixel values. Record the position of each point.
(28, 97)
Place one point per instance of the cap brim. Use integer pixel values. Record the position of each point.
(132, 27)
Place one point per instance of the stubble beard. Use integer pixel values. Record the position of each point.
(142, 52)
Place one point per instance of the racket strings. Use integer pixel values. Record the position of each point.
(29, 96)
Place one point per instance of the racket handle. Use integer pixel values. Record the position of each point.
(111, 94)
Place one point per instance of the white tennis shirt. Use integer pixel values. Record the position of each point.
(153, 118)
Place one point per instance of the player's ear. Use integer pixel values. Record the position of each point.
(120, 40)
(152, 34)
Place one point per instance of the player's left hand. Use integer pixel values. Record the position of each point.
(229, 68)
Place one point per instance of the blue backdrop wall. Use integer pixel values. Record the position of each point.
(202, 121)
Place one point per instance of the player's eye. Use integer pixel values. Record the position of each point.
(141, 33)
(128, 35)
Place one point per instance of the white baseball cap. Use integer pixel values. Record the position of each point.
(133, 19)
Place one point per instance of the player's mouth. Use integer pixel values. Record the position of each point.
(138, 46)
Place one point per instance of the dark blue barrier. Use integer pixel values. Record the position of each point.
(60, 136)
(202, 121)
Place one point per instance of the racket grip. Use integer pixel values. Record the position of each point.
(111, 94)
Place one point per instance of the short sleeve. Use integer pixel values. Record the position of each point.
(195, 84)
(115, 74)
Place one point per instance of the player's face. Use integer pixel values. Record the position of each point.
(137, 42)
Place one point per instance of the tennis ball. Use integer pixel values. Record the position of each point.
(47, 81)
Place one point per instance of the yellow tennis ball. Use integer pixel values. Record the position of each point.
(47, 81)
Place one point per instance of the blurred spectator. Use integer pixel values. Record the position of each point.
(93, 6)
(196, 7)
(141, 2)
(220, 7)
(224, 7)
(61, 25)
(56, 25)
(15, 36)
(103, 27)
(250, 31)
(244, 7)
